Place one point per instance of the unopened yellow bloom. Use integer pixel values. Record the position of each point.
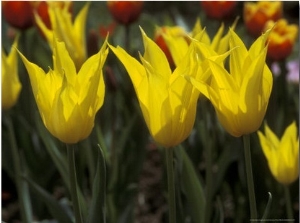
(282, 154)
(167, 101)
(68, 101)
(11, 85)
(240, 97)
(72, 33)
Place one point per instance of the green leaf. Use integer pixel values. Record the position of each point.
(97, 208)
(57, 156)
(191, 186)
(60, 161)
(268, 207)
(54, 207)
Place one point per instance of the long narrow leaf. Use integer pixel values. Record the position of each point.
(54, 207)
(60, 162)
(57, 156)
(191, 186)
(97, 208)
(268, 207)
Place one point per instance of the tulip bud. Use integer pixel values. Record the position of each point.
(218, 9)
(125, 12)
(18, 14)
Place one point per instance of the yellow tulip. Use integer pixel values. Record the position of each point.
(68, 101)
(177, 40)
(283, 154)
(167, 101)
(219, 42)
(240, 97)
(11, 85)
(73, 34)
(165, 36)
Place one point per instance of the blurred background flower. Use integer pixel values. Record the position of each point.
(10, 83)
(18, 14)
(282, 39)
(282, 154)
(292, 68)
(63, 28)
(218, 9)
(125, 12)
(256, 14)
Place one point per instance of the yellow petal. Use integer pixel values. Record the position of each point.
(135, 70)
(178, 47)
(252, 86)
(35, 73)
(237, 57)
(156, 57)
(62, 61)
(271, 137)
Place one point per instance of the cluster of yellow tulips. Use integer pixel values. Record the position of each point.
(233, 77)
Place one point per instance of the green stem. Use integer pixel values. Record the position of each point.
(171, 185)
(252, 201)
(209, 181)
(289, 209)
(90, 160)
(22, 187)
(127, 38)
(73, 182)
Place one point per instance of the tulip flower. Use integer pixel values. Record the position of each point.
(167, 101)
(18, 14)
(282, 39)
(256, 14)
(42, 9)
(125, 12)
(219, 42)
(73, 34)
(175, 32)
(175, 41)
(240, 97)
(282, 154)
(11, 85)
(68, 101)
(218, 9)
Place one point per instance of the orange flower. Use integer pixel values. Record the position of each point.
(218, 9)
(281, 39)
(257, 14)
(125, 12)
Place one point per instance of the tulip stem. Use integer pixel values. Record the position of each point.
(127, 37)
(73, 182)
(22, 186)
(171, 185)
(289, 209)
(251, 193)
